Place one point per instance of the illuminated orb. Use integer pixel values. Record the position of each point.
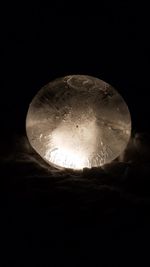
(78, 121)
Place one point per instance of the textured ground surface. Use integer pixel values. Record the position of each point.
(97, 217)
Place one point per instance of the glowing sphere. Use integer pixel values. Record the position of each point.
(78, 121)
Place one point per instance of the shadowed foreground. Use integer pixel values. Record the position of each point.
(98, 217)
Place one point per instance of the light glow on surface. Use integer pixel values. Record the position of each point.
(70, 146)
(67, 158)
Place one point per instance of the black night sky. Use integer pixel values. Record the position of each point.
(70, 219)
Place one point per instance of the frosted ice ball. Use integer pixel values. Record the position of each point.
(78, 121)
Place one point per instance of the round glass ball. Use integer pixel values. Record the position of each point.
(77, 122)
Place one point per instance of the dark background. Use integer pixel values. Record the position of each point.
(42, 42)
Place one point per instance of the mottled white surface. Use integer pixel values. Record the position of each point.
(78, 121)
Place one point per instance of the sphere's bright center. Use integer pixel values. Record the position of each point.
(67, 158)
(70, 146)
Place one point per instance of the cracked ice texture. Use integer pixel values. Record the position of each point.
(78, 121)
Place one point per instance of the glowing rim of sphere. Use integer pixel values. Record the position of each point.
(66, 158)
